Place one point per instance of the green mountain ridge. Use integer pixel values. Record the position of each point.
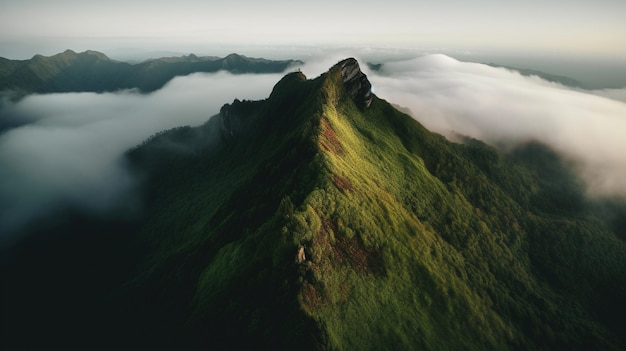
(357, 195)
(324, 218)
(92, 71)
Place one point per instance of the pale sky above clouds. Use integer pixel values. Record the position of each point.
(582, 27)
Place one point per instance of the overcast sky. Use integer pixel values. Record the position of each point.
(553, 26)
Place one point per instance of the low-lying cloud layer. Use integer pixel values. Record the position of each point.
(69, 151)
(66, 149)
(501, 106)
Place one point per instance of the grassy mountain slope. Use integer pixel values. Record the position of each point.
(340, 227)
(471, 253)
(91, 71)
(324, 218)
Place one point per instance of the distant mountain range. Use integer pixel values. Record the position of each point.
(322, 218)
(92, 71)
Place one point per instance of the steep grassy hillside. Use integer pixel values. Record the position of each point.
(420, 242)
(321, 222)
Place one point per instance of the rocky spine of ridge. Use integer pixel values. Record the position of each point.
(356, 83)
(229, 120)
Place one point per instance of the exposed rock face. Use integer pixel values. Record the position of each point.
(356, 83)
(229, 120)
(301, 256)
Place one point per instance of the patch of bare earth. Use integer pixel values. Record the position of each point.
(329, 139)
(353, 252)
(342, 183)
(311, 298)
(342, 251)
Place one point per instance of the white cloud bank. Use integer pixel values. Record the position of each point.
(498, 105)
(71, 150)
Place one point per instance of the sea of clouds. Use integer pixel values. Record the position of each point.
(68, 149)
(61, 150)
(502, 107)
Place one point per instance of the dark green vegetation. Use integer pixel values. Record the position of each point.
(91, 71)
(308, 221)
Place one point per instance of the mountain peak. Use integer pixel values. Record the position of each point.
(72, 55)
(234, 56)
(97, 54)
(330, 206)
(287, 82)
(356, 83)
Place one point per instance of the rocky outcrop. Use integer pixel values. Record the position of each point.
(229, 119)
(301, 256)
(356, 83)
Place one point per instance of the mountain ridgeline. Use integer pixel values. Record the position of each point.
(324, 218)
(92, 71)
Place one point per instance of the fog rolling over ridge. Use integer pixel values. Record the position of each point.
(70, 150)
(500, 106)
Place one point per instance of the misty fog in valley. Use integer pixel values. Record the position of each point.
(69, 147)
